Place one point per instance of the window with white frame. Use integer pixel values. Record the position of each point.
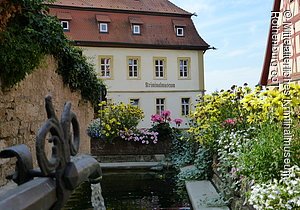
(160, 105)
(105, 67)
(135, 102)
(184, 68)
(133, 68)
(103, 27)
(159, 67)
(185, 106)
(136, 29)
(179, 31)
(65, 25)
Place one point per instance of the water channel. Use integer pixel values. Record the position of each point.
(132, 190)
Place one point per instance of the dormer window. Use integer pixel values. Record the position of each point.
(65, 25)
(179, 31)
(136, 29)
(103, 22)
(65, 18)
(136, 24)
(179, 27)
(103, 27)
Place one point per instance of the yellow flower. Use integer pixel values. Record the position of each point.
(107, 126)
(251, 118)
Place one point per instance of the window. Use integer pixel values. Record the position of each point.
(185, 106)
(103, 27)
(103, 21)
(160, 105)
(136, 29)
(65, 25)
(105, 67)
(179, 31)
(160, 68)
(136, 23)
(133, 67)
(184, 68)
(135, 102)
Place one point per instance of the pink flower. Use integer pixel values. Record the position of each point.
(156, 118)
(230, 121)
(178, 121)
(166, 114)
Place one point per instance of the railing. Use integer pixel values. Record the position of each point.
(50, 185)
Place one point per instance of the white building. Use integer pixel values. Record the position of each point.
(147, 51)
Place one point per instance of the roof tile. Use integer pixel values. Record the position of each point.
(103, 18)
(64, 16)
(160, 6)
(136, 20)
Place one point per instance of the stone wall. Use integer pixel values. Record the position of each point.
(122, 147)
(22, 110)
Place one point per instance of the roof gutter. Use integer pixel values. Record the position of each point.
(132, 45)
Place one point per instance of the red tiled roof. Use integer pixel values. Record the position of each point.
(101, 18)
(135, 20)
(156, 31)
(177, 22)
(157, 6)
(64, 16)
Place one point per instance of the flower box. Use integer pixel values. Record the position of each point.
(122, 147)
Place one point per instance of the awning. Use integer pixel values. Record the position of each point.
(179, 23)
(103, 18)
(136, 20)
(64, 16)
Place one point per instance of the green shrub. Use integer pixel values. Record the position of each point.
(183, 150)
(28, 36)
(263, 160)
(203, 161)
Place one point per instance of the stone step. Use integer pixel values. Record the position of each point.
(201, 191)
(134, 165)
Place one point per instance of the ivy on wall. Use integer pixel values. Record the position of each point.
(27, 34)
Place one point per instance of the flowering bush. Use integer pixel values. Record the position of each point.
(161, 124)
(114, 118)
(278, 195)
(244, 106)
(232, 144)
(94, 129)
(245, 129)
(143, 136)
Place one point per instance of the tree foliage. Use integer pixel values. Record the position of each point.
(27, 34)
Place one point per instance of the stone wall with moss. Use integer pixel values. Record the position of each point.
(22, 110)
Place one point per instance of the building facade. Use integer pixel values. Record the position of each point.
(282, 59)
(148, 52)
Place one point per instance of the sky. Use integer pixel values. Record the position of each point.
(239, 30)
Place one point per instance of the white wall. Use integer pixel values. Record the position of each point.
(120, 89)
